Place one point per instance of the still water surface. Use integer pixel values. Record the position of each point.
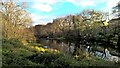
(69, 49)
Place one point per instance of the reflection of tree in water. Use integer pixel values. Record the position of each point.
(77, 45)
(76, 51)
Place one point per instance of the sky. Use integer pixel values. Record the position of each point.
(44, 11)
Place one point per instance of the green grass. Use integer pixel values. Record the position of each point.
(15, 54)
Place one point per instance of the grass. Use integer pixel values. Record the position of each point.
(17, 53)
(14, 53)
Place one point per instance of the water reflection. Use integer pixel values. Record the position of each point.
(70, 48)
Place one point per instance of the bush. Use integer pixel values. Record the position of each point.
(15, 53)
(45, 58)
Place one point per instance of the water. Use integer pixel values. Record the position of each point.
(68, 48)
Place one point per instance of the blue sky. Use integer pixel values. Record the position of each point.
(44, 11)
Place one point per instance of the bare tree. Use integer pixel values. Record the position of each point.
(14, 19)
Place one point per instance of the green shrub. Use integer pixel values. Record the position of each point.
(15, 54)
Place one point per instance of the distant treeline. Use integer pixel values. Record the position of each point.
(89, 26)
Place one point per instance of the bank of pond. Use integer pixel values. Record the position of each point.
(50, 53)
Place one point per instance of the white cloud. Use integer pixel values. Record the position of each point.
(41, 22)
(37, 19)
(112, 3)
(42, 7)
(87, 3)
(83, 3)
(46, 6)
(109, 5)
(46, 1)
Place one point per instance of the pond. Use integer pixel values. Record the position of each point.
(69, 48)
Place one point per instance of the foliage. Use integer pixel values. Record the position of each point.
(85, 27)
(116, 10)
(88, 20)
(15, 20)
(15, 54)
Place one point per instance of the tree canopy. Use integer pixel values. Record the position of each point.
(15, 19)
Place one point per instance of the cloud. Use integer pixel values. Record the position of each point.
(109, 5)
(112, 3)
(87, 3)
(47, 6)
(83, 3)
(37, 19)
(42, 7)
(46, 1)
